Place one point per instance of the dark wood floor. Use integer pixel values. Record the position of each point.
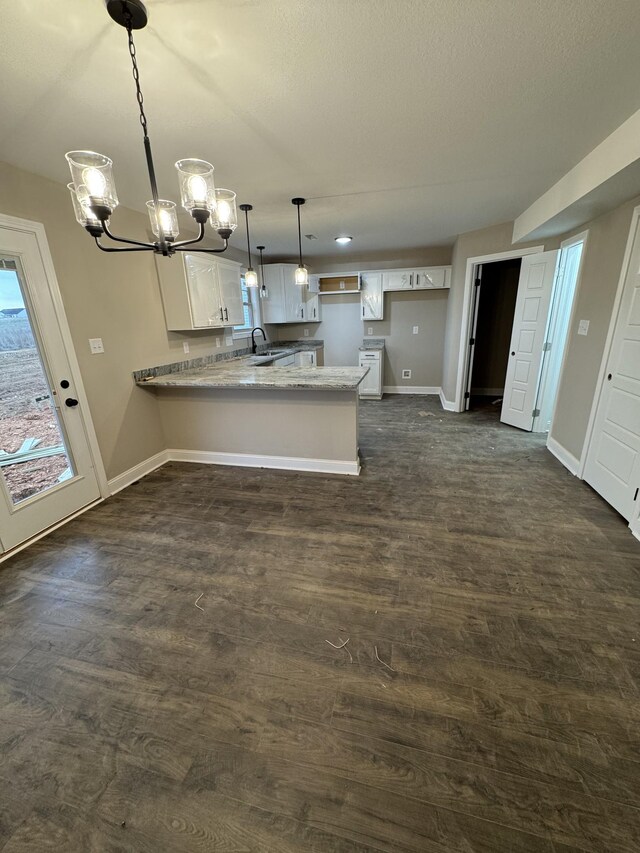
(502, 596)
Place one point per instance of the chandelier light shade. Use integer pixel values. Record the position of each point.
(301, 273)
(225, 216)
(93, 190)
(250, 276)
(164, 218)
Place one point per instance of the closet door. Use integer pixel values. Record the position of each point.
(613, 459)
(535, 286)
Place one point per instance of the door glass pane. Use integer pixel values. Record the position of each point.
(33, 455)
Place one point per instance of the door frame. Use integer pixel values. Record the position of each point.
(461, 380)
(582, 237)
(37, 230)
(606, 353)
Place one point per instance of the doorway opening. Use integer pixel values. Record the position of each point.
(558, 326)
(494, 305)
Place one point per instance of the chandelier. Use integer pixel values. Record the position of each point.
(93, 191)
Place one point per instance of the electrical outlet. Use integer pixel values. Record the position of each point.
(416, 329)
(228, 340)
(342, 287)
(185, 346)
(96, 346)
(406, 374)
(218, 342)
(583, 327)
(306, 333)
(369, 330)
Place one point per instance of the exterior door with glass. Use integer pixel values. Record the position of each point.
(46, 465)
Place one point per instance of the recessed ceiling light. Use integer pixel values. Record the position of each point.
(344, 239)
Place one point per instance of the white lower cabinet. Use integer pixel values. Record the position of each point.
(371, 385)
(200, 291)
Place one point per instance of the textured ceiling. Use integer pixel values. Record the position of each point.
(404, 122)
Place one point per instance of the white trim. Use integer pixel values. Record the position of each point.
(6, 554)
(410, 389)
(609, 341)
(143, 468)
(466, 311)
(251, 460)
(447, 405)
(562, 455)
(38, 230)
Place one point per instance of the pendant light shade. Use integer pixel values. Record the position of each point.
(164, 218)
(225, 217)
(92, 177)
(301, 274)
(197, 191)
(250, 276)
(263, 289)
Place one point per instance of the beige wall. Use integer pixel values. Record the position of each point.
(601, 267)
(343, 329)
(116, 298)
(486, 241)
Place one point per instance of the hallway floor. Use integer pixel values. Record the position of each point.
(168, 683)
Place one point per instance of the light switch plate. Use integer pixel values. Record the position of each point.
(369, 330)
(406, 374)
(583, 327)
(416, 329)
(306, 333)
(96, 346)
(185, 346)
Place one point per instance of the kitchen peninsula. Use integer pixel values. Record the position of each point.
(249, 411)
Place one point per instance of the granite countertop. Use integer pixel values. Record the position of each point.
(372, 343)
(240, 373)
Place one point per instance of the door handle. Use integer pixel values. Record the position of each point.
(226, 314)
(70, 402)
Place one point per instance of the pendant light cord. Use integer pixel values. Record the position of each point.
(246, 216)
(299, 235)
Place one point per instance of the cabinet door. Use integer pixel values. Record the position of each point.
(370, 385)
(202, 282)
(312, 308)
(371, 296)
(429, 278)
(230, 293)
(273, 307)
(294, 296)
(397, 280)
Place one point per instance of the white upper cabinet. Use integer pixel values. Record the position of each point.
(397, 280)
(200, 291)
(371, 296)
(423, 278)
(285, 301)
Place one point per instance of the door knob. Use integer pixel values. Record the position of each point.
(70, 402)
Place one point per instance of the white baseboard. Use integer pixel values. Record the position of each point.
(568, 459)
(487, 392)
(140, 470)
(447, 405)
(251, 460)
(410, 389)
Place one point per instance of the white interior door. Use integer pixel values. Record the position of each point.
(613, 458)
(535, 286)
(46, 467)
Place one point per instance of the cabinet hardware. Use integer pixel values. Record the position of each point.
(363, 310)
(226, 314)
(221, 317)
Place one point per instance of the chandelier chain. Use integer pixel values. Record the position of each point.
(134, 63)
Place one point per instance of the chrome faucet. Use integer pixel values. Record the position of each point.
(254, 345)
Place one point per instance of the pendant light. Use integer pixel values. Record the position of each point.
(263, 289)
(301, 274)
(250, 276)
(93, 191)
